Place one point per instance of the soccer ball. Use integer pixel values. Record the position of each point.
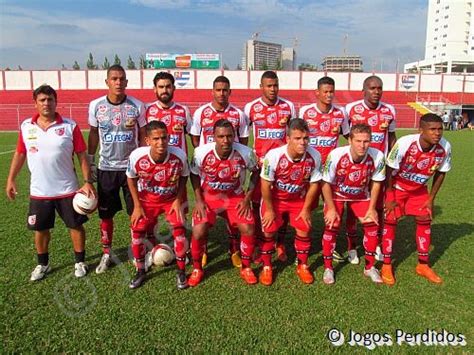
(162, 255)
(83, 204)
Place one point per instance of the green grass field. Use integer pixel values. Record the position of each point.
(99, 313)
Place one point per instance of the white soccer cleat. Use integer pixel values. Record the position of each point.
(80, 269)
(39, 272)
(104, 264)
(328, 276)
(374, 275)
(352, 257)
(378, 254)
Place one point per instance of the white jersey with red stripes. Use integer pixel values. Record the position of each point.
(324, 128)
(157, 181)
(50, 156)
(349, 180)
(222, 176)
(412, 166)
(381, 121)
(176, 118)
(291, 178)
(205, 117)
(269, 124)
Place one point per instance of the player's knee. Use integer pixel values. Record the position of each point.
(426, 219)
(247, 229)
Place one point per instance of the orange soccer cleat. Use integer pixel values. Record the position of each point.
(428, 273)
(281, 253)
(387, 274)
(246, 273)
(196, 277)
(266, 276)
(304, 273)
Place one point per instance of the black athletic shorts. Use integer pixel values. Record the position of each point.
(42, 213)
(109, 184)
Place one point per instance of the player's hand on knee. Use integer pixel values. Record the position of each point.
(244, 208)
(200, 210)
(390, 207)
(305, 215)
(371, 216)
(428, 207)
(331, 218)
(137, 214)
(268, 217)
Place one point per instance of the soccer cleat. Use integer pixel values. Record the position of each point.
(196, 277)
(236, 260)
(387, 274)
(304, 273)
(328, 276)
(204, 259)
(281, 253)
(104, 264)
(266, 276)
(40, 272)
(352, 257)
(246, 273)
(338, 258)
(138, 280)
(378, 254)
(374, 275)
(428, 273)
(181, 282)
(80, 269)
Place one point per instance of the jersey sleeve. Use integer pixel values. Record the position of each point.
(182, 156)
(316, 174)
(196, 162)
(379, 172)
(396, 154)
(78, 141)
(247, 108)
(92, 118)
(446, 166)
(141, 115)
(269, 166)
(189, 120)
(131, 166)
(243, 125)
(393, 125)
(196, 123)
(329, 172)
(292, 109)
(20, 145)
(345, 126)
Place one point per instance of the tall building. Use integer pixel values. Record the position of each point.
(259, 55)
(288, 59)
(342, 63)
(449, 46)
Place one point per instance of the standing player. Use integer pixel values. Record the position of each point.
(410, 164)
(381, 119)
(269, 115)
(116, 124)
(48, 142)
(218, 172)
(353, 176)
(202, 132)
(175, 116)
(290, 182)
(157, 176)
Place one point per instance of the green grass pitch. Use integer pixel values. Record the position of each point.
(99, 313)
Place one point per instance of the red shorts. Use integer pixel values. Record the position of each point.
(381, 199)
(224, 206)
(359, 208)
(257, 192)
(152, 211)
(409, 202)
(292, 208)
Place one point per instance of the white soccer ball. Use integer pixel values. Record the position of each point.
(162, 255)
(83, 204)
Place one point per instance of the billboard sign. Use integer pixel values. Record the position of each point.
(182, 61)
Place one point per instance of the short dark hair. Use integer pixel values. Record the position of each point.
(430, 117)
(360, 128)
(162, 75)
(297, 124)
(45, 89)
(370, 78)
(269, 74)
(115, 67)
(223, 123)
(221, 79)
(326, 80)
(153, 125)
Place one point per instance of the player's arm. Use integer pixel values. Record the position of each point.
(195, 140)
(200, 205)
(141, 136)
(244, 208)
(244, 140)
(390, 203)
(88, 188)
(176, 206)
(392, 139)
(438, 179)
(331, 216)
(312, 193)
(269, 215)
(138, 212)
(15, 167)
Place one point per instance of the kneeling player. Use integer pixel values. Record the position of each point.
(410, 164)
(218, 173)
(157, 176)
(290, 183)
(350, 172)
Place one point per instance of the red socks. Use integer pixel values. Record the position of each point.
(329, 244)
(370, 243)
(106, 234)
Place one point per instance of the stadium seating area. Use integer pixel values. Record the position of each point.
(15, 105)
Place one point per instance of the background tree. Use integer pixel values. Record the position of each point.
(131, 63)
(63, 67)
(117, 60)
(238, 67)
(142, 64)
(19, 67)
(76, 66)
(225, 67)
(90, 63)
(106, 64)
(307, 67)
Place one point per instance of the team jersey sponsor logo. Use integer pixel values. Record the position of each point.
(173, 139)
(271, 133)
(377, 137)
(283, 105)
(233, 113)
(423, 164)
(101, 118)
(345, 162)
(413, 150)
(287, 187)
(33, 150)
(59, 131)
(178, 128)
(259, 116)
(130, 122)
(266, 167)
(439, 150)
(322, 141)
(337, 113)
(359, 108)
(354, 176)
(258, 107)
(32, 220)
(153, 110)
(434, 168)
(384, 109)
(179, 111)
(118, 137)
(219, 185)
(357, 118)
(207, 112)
(417, 178)
(144, 164)
(211, 159)
(351, 190)
(160, 190)
(383, 126)
(295, 174)
(372, 120)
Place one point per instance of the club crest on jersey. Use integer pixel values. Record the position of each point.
(117, 119)
(359, 109)
(410, 160)
(33, 150)
(272, 118)
(312, 113)
(413, 150)
(224, 173)
(207, 112)
(341, 172)
(283, 121)
(102, 109)
(258, 107)
(372, 120)
(130, 123)
(160, 175)
(211, 159)
(295, 174)
(422, 165)
(434, 168)
(59, 131)
(153, 110)
(178, 128)
(344, 163)
(283, 164)
(324, 126)
(357, 118)
(144, 164)
(354, 176)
